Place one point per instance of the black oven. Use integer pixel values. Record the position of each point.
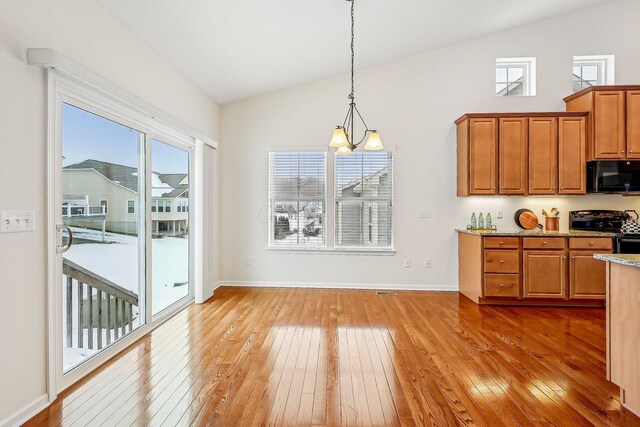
(627, 244)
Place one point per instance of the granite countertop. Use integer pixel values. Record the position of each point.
(536, 233)
(625, 259)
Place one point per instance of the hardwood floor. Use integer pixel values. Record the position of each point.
(340, 357)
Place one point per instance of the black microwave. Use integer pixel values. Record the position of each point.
(613, 176)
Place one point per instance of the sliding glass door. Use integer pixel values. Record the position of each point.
(170, 242)
(123, 232)
(102, 212)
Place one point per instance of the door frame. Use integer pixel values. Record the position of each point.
(63, 86)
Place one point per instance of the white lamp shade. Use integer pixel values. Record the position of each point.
(373, 142)
(339, 138)
(345, 150)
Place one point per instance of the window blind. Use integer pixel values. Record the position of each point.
(297, 199)
(364, 200)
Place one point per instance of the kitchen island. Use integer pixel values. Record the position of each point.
(623, 326)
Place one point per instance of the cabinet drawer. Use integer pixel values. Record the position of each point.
(501, 242)
(496, 261)
(502, 285)
(544, 243)
(590, 243)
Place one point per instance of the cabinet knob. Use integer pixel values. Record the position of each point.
(544, 243)
(502, 285)
(622, 152)
(502, 243)
(564, 257)
(591, 243)
(501, 261)
(573, 257)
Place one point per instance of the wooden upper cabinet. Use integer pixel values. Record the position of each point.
(512, 155)
(543, 155)
(572, 174)
(588, 276)
(609, 120)
(633, 124)
(545, 274)
(483, 145)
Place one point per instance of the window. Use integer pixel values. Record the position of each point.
(160, 205)
(183, 206)
(297, 199)
(515, 77)
(167, 206)
(364, 200)
(105, 206)
(131, 207)
(154, 206)
(593, 70)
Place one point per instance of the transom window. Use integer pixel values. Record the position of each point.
(592, 71)
(515, 77)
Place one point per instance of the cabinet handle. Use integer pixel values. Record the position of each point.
(591, 243)
(573, 257)
(564, 257)
(501, 261)
(502, 285)
(502, 243)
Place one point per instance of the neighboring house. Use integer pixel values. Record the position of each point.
(102, 195)
(366, 221)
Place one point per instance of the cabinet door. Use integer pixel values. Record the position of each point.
(483, 145)
(545, 274)
(587, 276)
(572, 162)
(512, 154)
(609, 125)
(633, 124)
(543, 155)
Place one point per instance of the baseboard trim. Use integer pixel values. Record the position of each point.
(323, 285)
(26, 413)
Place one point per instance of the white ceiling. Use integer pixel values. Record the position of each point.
(236, 49)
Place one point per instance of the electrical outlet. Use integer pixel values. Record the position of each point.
(424, 213)
(500, 214)
(407, 263)
(427, 263)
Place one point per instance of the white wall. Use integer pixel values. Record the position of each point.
(413, 102)
(87, 33)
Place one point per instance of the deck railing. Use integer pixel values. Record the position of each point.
(101, 311)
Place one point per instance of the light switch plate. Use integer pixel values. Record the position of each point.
(17, 221)
(424, 213)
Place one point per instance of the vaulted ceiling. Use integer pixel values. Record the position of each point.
(236, 49)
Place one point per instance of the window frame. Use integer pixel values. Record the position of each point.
(330, 248)
(271, 202)
(528, 64)
(605, 65)
(131, 206)
(105, 203)
(365, 247)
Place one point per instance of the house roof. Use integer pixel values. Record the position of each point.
(127, 176)
(359, 184)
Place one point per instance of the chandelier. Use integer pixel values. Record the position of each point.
(342, 138)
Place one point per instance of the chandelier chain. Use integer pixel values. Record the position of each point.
(352, 95)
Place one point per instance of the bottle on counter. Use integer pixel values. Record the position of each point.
(474, 221)
(481, 221)
(488, 220)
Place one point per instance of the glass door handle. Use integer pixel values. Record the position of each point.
(60, 248)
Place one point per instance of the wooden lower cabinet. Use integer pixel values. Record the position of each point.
(586, 275)
(544, 270)
(545, 274)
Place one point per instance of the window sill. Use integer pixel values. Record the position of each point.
(326, 251)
